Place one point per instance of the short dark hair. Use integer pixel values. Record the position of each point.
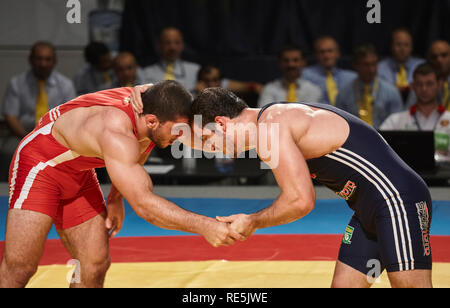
(94, 51)
(289, 47)
(363, 51)
(206, 69)
(401, 29)
(42, 44)
(167, 100)
(425, 69)
(214, 102)
(325, 38)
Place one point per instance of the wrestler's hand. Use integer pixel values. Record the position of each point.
(220, 234)
(135, 99)
(115, 216)
(241, 223)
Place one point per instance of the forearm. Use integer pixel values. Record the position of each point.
(167, 215)
(114, 193)
(282, 211)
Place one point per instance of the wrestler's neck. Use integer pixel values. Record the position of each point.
(248, 117)
(141, 127)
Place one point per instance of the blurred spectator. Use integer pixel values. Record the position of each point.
(291, 87)
(399, 68)
(171, 66)
(427, 114)
(31, 94)
(128, 74)
(209, 76)
(97, 74)
(439, 58)
(326, 74)
(369, 97)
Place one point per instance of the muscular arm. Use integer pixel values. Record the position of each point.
(121, 152)
(114, 193)
(297, 196)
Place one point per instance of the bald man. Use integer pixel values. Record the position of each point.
(439, 57)
(399, 68)
(326, 74)
(127, 72)
(171, 66)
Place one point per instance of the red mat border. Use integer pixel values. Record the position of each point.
(195, 248)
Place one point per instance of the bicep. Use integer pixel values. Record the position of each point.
(121, 156)
(289, 167)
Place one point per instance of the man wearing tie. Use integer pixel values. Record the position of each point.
(326, 74)
(368, 97)
(30, 95)
(399, 68)
(171, 66)
(127, 71)
(291, 87)
(427, 114)
(439, 58)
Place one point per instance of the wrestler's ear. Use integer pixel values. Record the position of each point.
(151, 121)
(222, 122)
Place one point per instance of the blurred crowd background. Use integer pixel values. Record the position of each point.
(394, 75)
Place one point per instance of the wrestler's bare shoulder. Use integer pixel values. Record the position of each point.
(316, 131)
(282, 112)
(294, 117)
(80, 129)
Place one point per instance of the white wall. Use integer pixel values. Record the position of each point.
(23, 22)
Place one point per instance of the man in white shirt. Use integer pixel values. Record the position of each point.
(427, 114)
(291, 87)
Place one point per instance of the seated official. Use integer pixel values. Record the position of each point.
(291, 87)
(427, 114)
(399, 68)
(127, 73)
(171, 66)
(326, 74)
(209, 76)
(367, 96)
(97, 74)
(32, 94)
(439, 58)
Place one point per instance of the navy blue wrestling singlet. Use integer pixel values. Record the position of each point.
(392, 204)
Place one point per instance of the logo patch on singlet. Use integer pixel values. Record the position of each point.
(348, 190)
(348, 235)
(422, 211)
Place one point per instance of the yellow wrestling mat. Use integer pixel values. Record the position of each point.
(219, 274)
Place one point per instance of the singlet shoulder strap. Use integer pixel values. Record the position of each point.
(265, 108)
